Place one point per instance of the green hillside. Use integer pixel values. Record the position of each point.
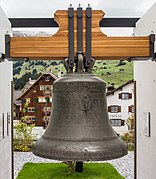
(111, 71)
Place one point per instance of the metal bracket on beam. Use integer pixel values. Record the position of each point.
(7, 49)
(71, 36)
(88, 35)
(152, 41)
(7, 46)
(152, 53)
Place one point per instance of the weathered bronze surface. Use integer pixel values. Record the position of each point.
(79, 129)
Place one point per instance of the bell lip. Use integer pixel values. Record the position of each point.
(66, 158)
(56, 153)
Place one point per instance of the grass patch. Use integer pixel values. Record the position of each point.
(60, 171)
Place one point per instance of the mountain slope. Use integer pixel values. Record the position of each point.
(111, 71)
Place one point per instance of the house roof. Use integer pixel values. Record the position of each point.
(120, 87)
(16, 94)
(52, 75)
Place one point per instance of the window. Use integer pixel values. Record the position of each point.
(47, 78)
(131, 108)
(31, 109)
(46, 118)
(41, 100)
(29, 119)
(117, 122)
(35, 119)
(47, 87)
(41, 87)
(125, 96)
(114, 109)
(27, 100)
(47, 109)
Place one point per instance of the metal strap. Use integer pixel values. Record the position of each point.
(79, 29)
(7, 46)
(152, 40)
(71, 36)
(88, 35)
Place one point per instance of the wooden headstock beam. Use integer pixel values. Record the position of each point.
(56, 46)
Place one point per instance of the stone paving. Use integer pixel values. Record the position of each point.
(124, 165)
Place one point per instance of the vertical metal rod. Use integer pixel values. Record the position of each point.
(79, 29)
(3, 125)
(79, 167)
(88, 35)
(71, 36)
(7, 124)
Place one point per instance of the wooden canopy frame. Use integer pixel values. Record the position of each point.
(56, 46)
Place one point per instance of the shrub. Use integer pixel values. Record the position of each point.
(70, 166)
(128, 139)
(121, 69)
(23, 139)
(130, 146)
(108, 73)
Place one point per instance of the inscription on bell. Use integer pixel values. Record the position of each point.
(85, 101)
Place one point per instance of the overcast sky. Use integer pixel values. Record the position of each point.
(46, 8)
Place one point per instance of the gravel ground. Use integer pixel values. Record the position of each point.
(124, 165)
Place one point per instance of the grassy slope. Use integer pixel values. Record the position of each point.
(118, 77)
(59, 171)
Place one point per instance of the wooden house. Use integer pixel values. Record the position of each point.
(38, 98)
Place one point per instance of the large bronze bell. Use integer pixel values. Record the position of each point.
(79, 129)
